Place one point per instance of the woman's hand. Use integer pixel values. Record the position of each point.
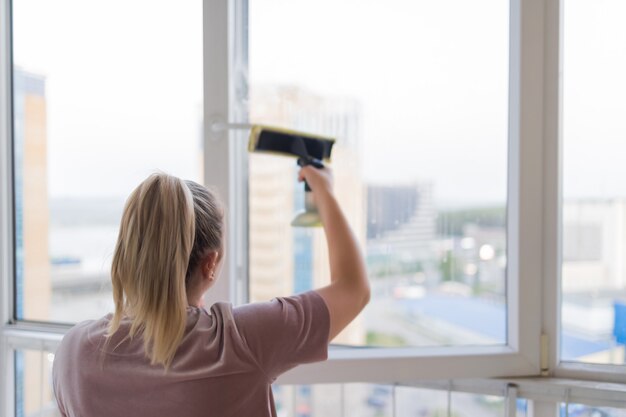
(319, 179)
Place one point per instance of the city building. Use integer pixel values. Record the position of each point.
(401, 221)
(594, 273)
(32, 264)
(594, 241)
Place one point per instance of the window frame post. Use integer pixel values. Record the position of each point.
(553, 183)
(225, 151)
(7, 383)
(525, 185)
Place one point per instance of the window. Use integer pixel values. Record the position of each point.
(100, 100)
(420, 159)
(33, 384)
(514, 222)
(593, 286)
(427, 246)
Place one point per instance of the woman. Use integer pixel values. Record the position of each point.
(160, 353)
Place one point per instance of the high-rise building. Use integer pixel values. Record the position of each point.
(31, 196)
(271, 263)
(32, 267)
(401, 220)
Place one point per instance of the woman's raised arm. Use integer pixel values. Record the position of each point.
(349, 290)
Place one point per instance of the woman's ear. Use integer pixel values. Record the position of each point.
(208, 265)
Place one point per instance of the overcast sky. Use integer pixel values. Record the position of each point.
(124, 87)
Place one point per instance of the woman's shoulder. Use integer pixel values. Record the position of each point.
(82, 330)
(217, 318)
(285, 331)
(76, 340)
(281, 311)
(308, 300)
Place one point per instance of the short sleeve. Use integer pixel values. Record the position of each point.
(285, 332)
(57, 396)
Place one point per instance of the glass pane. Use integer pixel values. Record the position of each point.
(416, 97)
(470, 405)
(581, 410)
(522, 407)
(33, 384)
(309, 400)
(593, 310)
(102, 99)
(374, 400)
(411, 402)
(362, 400)
(368, 400)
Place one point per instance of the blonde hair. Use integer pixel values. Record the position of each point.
(150, 264)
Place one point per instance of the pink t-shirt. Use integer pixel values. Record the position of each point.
(224, 366)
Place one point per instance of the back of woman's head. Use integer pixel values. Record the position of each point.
(209, 225)
(153, 253)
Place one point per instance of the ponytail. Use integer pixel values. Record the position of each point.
(150, 264)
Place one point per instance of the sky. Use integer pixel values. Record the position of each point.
(433, 84)
(124, 87)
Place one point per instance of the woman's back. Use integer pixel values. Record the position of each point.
(224, 365)
(160, 353)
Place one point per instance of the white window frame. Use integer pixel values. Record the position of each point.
(521, 355)
(534, 214)
(6, 220)
(553, 163)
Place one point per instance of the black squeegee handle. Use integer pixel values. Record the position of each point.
(309, 161)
